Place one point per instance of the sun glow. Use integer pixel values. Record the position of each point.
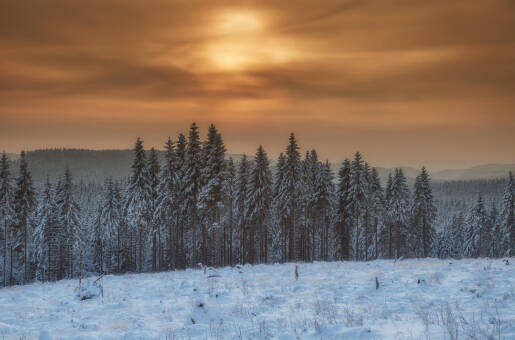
(243, 42)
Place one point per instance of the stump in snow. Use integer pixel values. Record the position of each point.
(296, 272)
(377, 283)
(90, 290)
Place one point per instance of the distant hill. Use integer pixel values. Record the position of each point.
(97, 165)
(480, 171)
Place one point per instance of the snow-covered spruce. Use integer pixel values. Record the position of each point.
(189, 205)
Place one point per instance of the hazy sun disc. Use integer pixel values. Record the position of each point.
(243, 42)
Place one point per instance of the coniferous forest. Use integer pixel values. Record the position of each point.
(194, 207)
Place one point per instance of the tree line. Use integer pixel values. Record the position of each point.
(195, 207)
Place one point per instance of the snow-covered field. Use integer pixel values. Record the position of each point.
(416, 299)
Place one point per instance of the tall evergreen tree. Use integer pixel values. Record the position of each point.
(343, 210)
(191, 185)
(507, 222)
(181, 215)
(457, 235)
(229, 190)
(153, 171)
(290, 193)
(476, 235)
(495, 231)
(72, 239)
(323, 208)
(259, 196)
(110, 223)
(165, 213)
(376, 208)
(423, 215)
(24, 205)
(211, 180)
(6, 214)
(357, 199)
(279, 208)
(137, 206)
(241, 207)
(399, 212)
(46, 220)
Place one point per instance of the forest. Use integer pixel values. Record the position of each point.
(191, 206)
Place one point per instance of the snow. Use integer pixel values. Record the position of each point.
(333, 300)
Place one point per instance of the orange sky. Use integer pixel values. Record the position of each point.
(406, 82)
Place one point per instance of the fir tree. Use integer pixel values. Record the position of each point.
(71, 235)
(137, 206)
(181, 215)
(258, 205)
(456, 235)
(229, 191)
(6, 214)
(343, 210)
(24, 205)
(191, 185)
(279, 207)
(290, 193)
(507, 222)
(211, 180)
(423, 215)
(46, 220)
(376, 204)
(241, 206)
(166, 211)
(357, 199)
(323, 209)
(110, 225)
(495, 232)
(399, 212)
(476, 240)
(153, 171)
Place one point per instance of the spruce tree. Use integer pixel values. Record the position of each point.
(324, 197)
(191, 186)
(376, 208)
(165, 213)
(476, 240)
(241, 207)
(291, 193)
(279, 207)
(24, 205)
(423, 215)
(457, 235)
(153, 171)
(229, 191)
(211, 180)
(137, 206)
(46, 220)
(181, 215)
(110, 224)
(259, 196)
(495, 231)
(507, 219)
(399, 212)
(6, 214)
(72, 238)
(357, 199)
(343, 210)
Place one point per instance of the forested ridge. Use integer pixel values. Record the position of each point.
(189, 205)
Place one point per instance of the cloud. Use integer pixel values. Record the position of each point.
(388, 59)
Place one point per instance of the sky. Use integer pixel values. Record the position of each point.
(407, 83)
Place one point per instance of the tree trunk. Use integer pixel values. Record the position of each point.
(5, 253)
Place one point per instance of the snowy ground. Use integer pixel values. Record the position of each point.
(417, 299)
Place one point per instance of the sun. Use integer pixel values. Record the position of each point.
(243, 40)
